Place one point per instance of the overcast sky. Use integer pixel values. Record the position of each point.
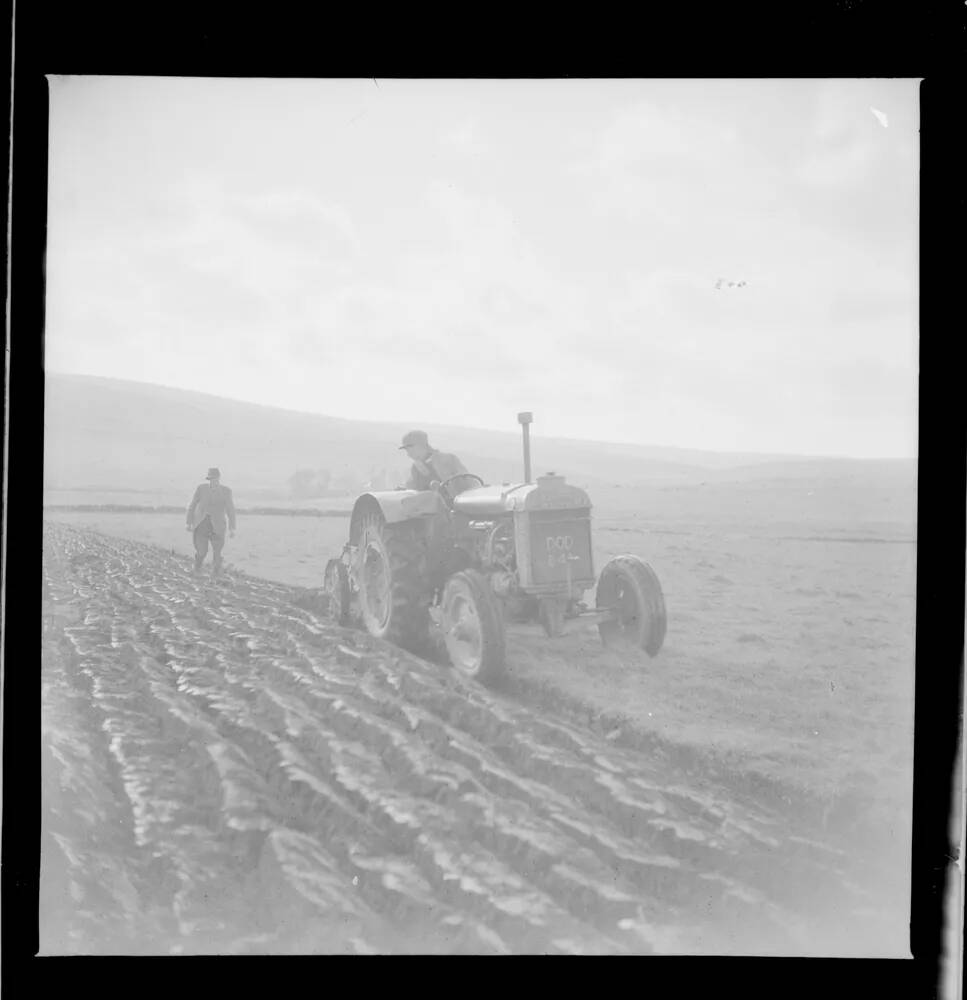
(456, 251)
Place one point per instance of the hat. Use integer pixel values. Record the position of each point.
(213, 474)
(414, 437)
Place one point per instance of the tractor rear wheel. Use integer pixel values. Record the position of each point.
(473, 626)
(390, 575)
(336, 586)
(629, 588)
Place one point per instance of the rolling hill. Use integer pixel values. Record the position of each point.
(111, 435)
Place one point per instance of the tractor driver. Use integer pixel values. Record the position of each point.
(432, 467)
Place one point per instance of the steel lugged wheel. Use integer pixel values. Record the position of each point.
(473, 626)
(336, 586)
(629, 587)
(391, 577)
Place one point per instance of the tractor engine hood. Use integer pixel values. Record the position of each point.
(550, 492)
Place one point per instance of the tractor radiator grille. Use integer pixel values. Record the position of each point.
(560, 547)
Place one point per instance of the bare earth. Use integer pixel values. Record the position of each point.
(227, 771)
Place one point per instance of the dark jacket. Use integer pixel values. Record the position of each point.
(439, 466)
(215, 502)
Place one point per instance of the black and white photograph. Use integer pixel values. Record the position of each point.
(479, 516)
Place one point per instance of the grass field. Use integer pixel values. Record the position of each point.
(791, 614)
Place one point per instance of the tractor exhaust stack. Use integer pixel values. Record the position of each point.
(524, 419)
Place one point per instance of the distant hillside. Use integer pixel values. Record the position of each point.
(118, 435)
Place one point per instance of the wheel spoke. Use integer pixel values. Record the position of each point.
(377, 583)
(463, 635)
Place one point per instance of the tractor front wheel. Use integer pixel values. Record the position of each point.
(630, 590)
(473, 626)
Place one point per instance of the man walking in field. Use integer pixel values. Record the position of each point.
(208, 511)
(432, 467)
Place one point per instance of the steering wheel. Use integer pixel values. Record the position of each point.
(460, 475)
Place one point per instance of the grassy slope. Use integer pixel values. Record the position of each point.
(110, 434)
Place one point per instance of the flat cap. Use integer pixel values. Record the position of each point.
(414, 437)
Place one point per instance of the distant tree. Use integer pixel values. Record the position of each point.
(307, 483)
(300, 484)
(378, 480)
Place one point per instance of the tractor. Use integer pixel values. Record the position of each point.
(457, 562)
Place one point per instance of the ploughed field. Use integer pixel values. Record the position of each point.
(227, 771)
(790, 646)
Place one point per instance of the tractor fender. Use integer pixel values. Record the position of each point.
(394, 506)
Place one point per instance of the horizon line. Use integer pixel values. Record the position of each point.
(491, 430)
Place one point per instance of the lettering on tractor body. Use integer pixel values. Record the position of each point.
(558, 549)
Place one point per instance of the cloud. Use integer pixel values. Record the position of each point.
(465, 139)
(506, 305)
(842, 161)
(639, 133)
(574, 276)
(274, 241)
(301, 220)
(221, 278)
(652, 162)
